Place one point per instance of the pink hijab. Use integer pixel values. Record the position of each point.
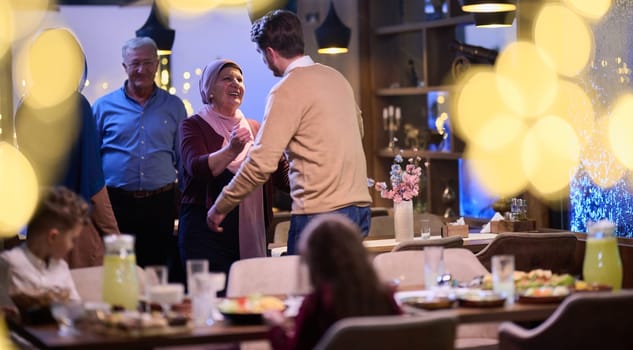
(252, 233)
(220, 123)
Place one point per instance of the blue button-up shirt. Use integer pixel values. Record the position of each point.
(139, 144)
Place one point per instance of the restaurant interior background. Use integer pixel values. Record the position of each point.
(600, 189)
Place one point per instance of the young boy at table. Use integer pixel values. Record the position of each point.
(35, 273)
(343, 281)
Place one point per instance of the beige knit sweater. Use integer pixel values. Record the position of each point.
(311, 114)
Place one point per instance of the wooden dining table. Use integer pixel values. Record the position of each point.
(385, 243)
(47, 337)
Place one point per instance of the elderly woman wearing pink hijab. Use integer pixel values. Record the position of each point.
(213, 144)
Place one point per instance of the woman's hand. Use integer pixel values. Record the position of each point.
(238, 139)
(220, 159)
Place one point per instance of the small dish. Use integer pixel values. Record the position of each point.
(482, 298)
(426, 303)
(543, 295)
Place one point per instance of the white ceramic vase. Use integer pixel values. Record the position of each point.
(403, 220)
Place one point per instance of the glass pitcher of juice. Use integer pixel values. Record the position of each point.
(120, 283)
(602, 264)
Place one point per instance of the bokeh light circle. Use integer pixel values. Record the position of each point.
(19, 18)
(498, 171)
(620, 130)
(18, 190)
(471, 107)
(6, 27)
(574, 105)
(570, 53)
(54, 67)
(526, 78)
(550, 156)
(592, 9)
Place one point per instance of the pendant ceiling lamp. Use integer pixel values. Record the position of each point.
(478, 6)
(156, 29)
(494, 19)
(332, 35)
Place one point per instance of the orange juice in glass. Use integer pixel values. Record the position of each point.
(602, 262)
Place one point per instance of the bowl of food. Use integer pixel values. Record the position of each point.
(481, 298)
(543, 295)
(249, 310)
(429, 303)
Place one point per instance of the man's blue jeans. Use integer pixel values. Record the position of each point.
(360, 215)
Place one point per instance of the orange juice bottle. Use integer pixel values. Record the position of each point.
(602, 262)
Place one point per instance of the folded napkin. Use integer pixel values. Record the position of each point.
(486, 227)
(459, 221)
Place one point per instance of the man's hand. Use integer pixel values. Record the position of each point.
(214, 219)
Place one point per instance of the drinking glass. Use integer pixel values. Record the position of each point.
(66, 313)
(503, 276)
(195, 266)
(425, 228)
(155, 275)
(433, 266)
(204, 289)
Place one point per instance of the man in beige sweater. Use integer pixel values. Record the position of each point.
(312, 116)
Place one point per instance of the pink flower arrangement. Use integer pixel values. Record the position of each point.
(405, 183)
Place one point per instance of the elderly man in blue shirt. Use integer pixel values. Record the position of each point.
(137, 128)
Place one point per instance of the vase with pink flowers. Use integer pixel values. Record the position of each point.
(405, 185)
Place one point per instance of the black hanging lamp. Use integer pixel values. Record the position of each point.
(494, 19)
(155, 27)
(478, 6)
(332, 35)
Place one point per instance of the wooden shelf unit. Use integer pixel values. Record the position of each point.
(398, 34)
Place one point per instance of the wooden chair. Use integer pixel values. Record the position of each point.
(381, 226)
(555, 251)
(417, 244)
(280, 220)
(391, 332)
(89, 282)
(281, 232)
(583, 321)
(271, 275)
(408, 268)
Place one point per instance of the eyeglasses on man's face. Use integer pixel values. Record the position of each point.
(134, 65)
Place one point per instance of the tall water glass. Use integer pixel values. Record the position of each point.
(204, 289)
(425, 228)
(433, 265)
(503, 276)
(195, 266)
